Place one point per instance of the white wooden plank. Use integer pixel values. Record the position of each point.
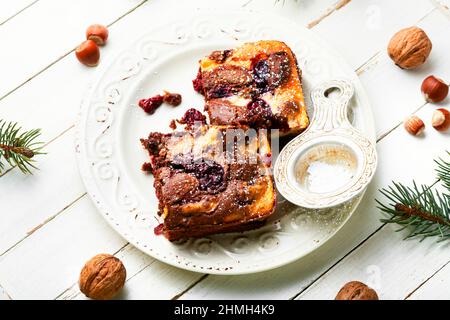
(29, 200)
(159, 281)
(302, 12)
(72, 18)
(147, 278)
(10, 8)
(287, 281)
(362, 28)
(51, 259)
(133, 260)
(444, 4)
(47, 102)
(378, 263)
(3, 294)
(377, 260)
(436, 288)
(47, 30)
(394, 92)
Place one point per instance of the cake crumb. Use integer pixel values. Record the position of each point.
(147, 167)
(174, 99)
(173, 124)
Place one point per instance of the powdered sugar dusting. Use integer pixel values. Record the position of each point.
(324, 177)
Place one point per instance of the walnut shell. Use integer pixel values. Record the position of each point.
(355, 290)
(409, 48)
(102, 277)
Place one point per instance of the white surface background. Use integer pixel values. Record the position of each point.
(49, 227)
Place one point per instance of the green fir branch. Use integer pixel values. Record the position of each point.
(443, 171)
(18, 147)
(422, 211)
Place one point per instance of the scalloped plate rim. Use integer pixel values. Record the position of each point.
(362, 96)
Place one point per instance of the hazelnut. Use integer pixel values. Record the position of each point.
(441, 119)
(88, 53)
(355, 290)
(97, 33)
(102, 277)
(434, 89)
(414, 125)
(409, 48)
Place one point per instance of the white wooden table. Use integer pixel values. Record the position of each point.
(49, 227)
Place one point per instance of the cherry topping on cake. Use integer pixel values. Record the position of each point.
(261, 73)
(197, 82)
(220, 91)
(259, 113)
(270, 73)
(192, 116)
(210, 174)
(159, 229)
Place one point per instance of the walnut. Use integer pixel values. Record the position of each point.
(355, 290)
(102, 277)
(409, 48)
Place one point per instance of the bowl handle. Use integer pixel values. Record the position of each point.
(331, 100)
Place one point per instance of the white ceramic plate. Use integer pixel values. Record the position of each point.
(110, 155)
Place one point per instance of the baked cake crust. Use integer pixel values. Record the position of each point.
(203, 189)
(257, 84)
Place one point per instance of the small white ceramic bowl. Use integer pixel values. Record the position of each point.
(331, 162)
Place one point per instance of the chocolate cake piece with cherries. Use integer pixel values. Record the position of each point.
(257, 84)
(211, 179)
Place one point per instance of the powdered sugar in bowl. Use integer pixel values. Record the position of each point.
(331, 162)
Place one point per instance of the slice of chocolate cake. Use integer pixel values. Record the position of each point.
(257, 84)
(211, 179)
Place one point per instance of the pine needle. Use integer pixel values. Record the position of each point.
(422, 211)
(18, 147)
(443, 171)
